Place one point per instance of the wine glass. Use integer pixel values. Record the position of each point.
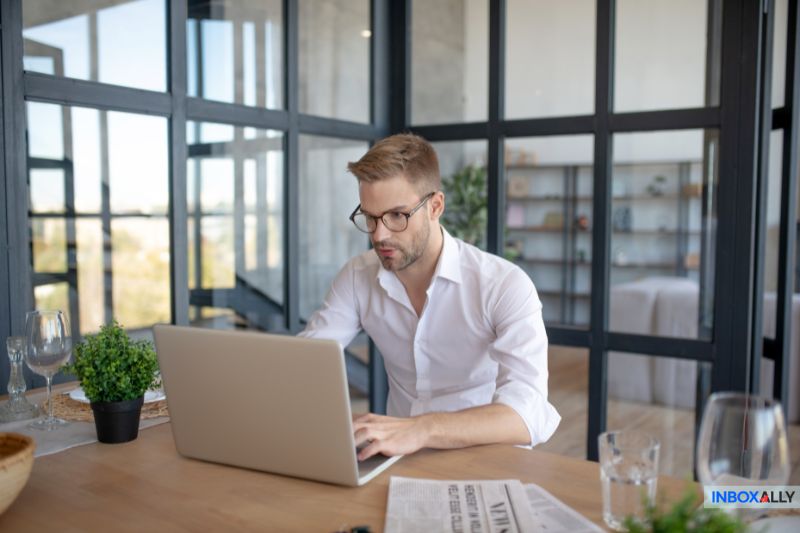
(49, 347)
(742, 442)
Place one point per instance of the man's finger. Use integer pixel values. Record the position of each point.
(374, 448)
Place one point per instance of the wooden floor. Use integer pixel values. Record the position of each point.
(569, 371)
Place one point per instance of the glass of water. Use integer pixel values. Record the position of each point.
(628, 473)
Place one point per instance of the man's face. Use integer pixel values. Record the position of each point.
(396, 250)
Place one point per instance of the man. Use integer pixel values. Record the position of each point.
(460, 330)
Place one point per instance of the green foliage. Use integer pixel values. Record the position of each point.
(112, 367)
(686, 516)
(466, 211)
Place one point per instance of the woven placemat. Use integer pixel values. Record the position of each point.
(69, 409)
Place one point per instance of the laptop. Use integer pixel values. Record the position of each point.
(273, 403)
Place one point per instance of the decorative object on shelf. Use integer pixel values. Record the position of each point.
(621, 220)
(656, 188)
(582, 222)
(515, 216)
(581, 255)
(520, 157)
(465, 215)
(692, 260)
(620, 257)
(115, 371)
(517, 187)
(17, 407)
(692, 190)
(553, 219)
(16, 461)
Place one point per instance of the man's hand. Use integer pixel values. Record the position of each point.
(487, 424)
(389, 435)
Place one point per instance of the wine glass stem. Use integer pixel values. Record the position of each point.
(49, 397)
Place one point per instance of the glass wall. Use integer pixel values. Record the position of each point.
(549, 220)
(449, 61)
(663, 233)
(550, 56)
(120, 42)
(235, 226)
(98, 215)
(656, 395)
(235, 52)
(328, 194)
(653, 69)
(334, 68)
(462, 165)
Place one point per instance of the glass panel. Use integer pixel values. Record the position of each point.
(462, 165)
(52, 296)
(123, 43)
(549, 219)
(662, 237)
(235, 241)
(656, 395)
(49, 244)
(46, 143)
(235, 51)
(46, 190)
(138, 162)
(665, 64)
(779, 52)
(140, 266)
(550, 56)
(90, 274)
(334, 69)
(568, 385)
(121, 267)
(449, 61)
(771, 261)
(327, 196)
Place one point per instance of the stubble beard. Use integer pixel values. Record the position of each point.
(404, 256)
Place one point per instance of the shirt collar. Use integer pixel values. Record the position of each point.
(449, 266)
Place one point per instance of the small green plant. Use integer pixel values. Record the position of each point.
(112, 367)
(465, 215)
(686, 516)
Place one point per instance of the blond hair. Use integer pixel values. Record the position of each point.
(402, 154)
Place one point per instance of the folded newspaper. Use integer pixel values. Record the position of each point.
(490, 506)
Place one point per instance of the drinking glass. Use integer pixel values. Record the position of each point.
(17, 407)
(49, 347)
(628, 473)
(742, 441)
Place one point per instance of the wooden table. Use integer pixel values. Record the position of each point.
(145, 485)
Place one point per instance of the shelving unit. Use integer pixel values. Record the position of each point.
(655, 227)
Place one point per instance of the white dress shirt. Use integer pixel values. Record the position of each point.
(480, 338)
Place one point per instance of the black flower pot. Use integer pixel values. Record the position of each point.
(117, 421)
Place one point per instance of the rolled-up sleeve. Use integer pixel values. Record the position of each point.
(337, 319)
(520, 350)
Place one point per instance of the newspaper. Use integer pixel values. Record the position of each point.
(554, 516)
(481, 506)
(457, 506)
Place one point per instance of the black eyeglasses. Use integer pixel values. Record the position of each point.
(393, 220)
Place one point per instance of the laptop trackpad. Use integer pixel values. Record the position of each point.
(368, 465)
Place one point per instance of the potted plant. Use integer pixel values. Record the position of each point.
(114, 372)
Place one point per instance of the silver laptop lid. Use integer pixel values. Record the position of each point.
(267, 402)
